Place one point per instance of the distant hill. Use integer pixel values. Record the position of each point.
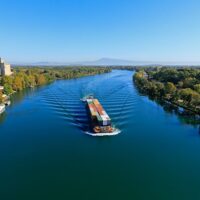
(110, 61)
(106, 62)
(100, 62)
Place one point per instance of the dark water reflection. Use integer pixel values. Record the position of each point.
(184, 116)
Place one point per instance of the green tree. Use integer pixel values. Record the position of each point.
(195, 99)
(8, 89)
(7, 80)
(188, 95)
(170, 90)
(197, 88)
(189, 82)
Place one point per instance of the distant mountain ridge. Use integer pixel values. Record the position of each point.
(110, 61)
(107, 62)
(100, 62)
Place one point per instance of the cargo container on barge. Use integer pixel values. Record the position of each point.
(101, 124)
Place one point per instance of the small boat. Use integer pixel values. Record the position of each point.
(2, 108)
(101, 124)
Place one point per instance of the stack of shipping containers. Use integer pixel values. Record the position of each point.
(97, 112)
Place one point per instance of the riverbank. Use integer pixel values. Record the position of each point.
(177, 86)
(30, 77)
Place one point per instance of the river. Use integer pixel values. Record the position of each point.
(45, 153)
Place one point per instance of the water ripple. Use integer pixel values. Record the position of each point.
(114, 91)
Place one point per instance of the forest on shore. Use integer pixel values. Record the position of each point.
(29, 77)
(179, 86)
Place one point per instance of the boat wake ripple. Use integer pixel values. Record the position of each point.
(114, 90)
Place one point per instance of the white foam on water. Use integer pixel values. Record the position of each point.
(116, 132)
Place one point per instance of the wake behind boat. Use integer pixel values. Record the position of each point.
(101, 124)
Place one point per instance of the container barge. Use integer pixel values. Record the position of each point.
(101, 124)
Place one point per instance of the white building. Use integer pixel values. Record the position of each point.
(5, 69)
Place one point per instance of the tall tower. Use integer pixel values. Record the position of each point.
(5, 69)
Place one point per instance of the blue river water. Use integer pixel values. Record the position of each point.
(45, 153)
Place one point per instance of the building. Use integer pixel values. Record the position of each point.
(5, 69)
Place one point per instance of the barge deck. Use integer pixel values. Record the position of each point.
(101, 124)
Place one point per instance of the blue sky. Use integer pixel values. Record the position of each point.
(82, 30)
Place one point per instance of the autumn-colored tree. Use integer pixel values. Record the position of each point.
(25, 77)
(31, 81)
(40, 79)
(17, 83)
(1, 98)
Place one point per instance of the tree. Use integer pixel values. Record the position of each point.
(139, 75)
(160, 89)
(197, 88)
(8, 89)
(179, 84)
(189, 82)
(188, 95)
(40, 79)
(31, 81)
(170, 90)
(195, 99)
(1, 98)
(7, 79)
(17, 83)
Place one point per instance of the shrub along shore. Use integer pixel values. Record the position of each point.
(179, 86)
(29, 77)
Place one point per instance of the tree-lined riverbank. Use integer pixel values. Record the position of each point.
(179, 86)
(28, 77)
